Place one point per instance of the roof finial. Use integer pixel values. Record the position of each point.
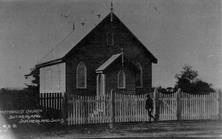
(122, 53)
(111, 6)
(73, 26)
(111, 11)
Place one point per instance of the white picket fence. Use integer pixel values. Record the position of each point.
(89, 109)
(185, 106)
(131, 108)
(52, 104)
(200, 106)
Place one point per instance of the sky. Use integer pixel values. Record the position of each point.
(176, 32)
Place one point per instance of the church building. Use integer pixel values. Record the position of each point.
(109, 57)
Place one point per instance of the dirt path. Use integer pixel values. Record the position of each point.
(158, 129)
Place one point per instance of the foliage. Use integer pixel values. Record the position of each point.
(188, 82)
(33, 76)
(167, 90)
(22, 99)
(11, 99)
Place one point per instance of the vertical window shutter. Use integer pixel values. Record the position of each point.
(48, 79)
(55, 77)
(42, 80)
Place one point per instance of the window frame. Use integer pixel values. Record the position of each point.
(124, 80)
(77, 76)
(110, 34)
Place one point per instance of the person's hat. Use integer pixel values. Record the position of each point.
(148, 95)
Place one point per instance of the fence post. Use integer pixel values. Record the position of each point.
(112, 109)
(156, 104)
(179, 104)
(220, 105)
(64, 109)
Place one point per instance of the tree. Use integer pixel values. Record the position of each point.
(188, 82)
(16, 99)
(33, 76)
(167, 90)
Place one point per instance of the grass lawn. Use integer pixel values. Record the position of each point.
(203, 128)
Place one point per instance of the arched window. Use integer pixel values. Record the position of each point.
(81, 76)
(139, 77)
(121, 83)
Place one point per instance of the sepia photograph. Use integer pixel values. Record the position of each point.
(74, 69)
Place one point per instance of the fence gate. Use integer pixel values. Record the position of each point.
(167, 104)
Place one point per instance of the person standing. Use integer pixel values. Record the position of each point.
(149, 107)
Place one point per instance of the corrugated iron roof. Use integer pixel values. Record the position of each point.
(70, 41)
(108, 62)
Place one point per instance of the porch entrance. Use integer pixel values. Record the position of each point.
(100, 85)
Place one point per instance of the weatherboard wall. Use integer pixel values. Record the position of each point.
(93, 51)
(112, 79)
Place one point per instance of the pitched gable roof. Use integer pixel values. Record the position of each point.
(108, 62)
(66, 45)
(63, 49)
(114, 58)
